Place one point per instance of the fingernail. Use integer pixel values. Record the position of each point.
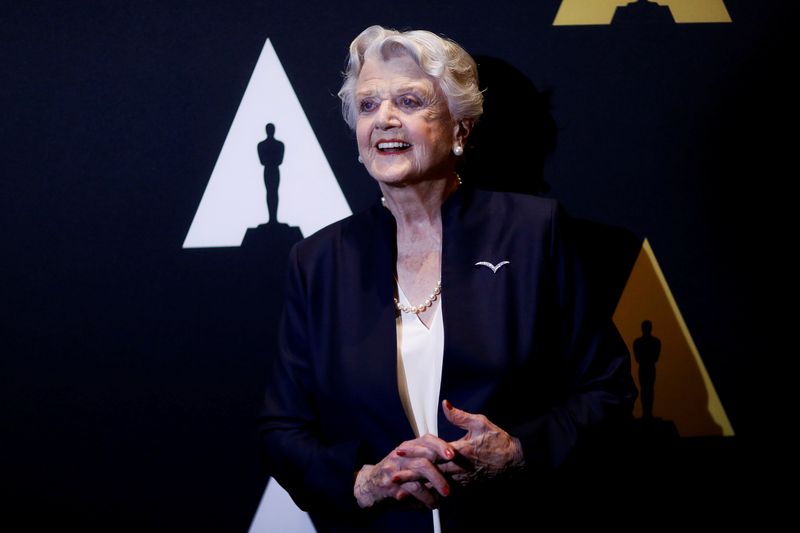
(402, 496)
(401, 453)
(446, 490)
(395, 479)
(448, 404)
(449, 453)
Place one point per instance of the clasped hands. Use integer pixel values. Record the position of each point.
(425, 467)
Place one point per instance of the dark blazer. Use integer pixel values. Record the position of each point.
(523, 346)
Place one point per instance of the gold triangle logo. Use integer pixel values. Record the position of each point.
(669, 371)
(601, 12)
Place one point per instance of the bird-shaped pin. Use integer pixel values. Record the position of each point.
(494, 268)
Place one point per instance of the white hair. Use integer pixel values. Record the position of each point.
(438, 57)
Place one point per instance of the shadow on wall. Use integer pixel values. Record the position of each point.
(506, 152)
(510, 142)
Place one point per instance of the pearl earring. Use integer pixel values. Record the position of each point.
(360, 160)
(458, 150)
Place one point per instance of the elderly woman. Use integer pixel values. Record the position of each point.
(437, 350)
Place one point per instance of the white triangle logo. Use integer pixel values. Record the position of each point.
(235, 197)
(277, 513)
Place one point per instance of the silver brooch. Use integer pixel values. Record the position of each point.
(493, 268)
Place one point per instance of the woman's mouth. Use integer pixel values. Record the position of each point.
(392, 147)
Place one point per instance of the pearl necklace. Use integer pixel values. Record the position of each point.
(417, 309)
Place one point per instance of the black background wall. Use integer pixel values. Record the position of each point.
(132, 369)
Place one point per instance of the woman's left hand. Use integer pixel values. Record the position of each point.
(486, 451)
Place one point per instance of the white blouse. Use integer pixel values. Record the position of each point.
(420, 352)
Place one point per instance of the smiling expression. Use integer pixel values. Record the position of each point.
(404, 129)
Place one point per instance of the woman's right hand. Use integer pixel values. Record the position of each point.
(408, 471)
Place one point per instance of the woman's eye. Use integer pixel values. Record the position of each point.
(409, 101)
(366, 105)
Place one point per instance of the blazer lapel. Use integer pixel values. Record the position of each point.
(377, 241)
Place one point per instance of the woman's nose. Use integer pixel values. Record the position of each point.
(387, 115)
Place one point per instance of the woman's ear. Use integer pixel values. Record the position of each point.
(462, 130)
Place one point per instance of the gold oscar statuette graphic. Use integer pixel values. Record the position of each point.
(677, 386)
(601, 12)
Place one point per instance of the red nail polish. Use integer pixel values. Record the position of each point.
(448, 404)
(449, 453)
(395, 479)
(446, 490)
(401, 453)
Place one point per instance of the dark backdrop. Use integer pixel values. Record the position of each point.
(132, 369)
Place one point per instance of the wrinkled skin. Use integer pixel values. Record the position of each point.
(423, 468)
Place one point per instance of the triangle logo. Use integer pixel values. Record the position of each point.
(672, 379)
(277, 512)
(243, 189)
(603, 12)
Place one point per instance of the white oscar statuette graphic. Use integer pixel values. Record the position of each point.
(235, 200)
(235, 197)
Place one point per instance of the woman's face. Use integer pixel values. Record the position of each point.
(404, 129)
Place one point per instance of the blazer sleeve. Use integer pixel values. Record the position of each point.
(319, 476)
(594, 362)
